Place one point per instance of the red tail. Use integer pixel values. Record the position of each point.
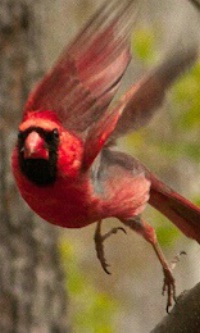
(184, 214)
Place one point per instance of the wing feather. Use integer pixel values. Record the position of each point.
(144, 98)
(138, 105)
(98, 135)
(84, 80)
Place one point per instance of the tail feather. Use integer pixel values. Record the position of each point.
(184, 214)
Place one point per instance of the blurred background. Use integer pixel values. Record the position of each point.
(130, 299)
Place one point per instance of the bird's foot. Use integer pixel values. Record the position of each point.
(169, 286)
(99, 240)
(169, 281)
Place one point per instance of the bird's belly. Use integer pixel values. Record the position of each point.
(66, 206)
(70, 214)
(126, 197)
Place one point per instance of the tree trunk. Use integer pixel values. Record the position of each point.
(32, 293)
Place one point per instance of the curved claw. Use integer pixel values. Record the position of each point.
(113, 231)
(99, 239)
(169, 287)
(104, 266)
(169, 281)
(122, 229)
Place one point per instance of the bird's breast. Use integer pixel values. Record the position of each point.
(68, 205)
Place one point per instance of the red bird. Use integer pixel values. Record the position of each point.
(64, 162)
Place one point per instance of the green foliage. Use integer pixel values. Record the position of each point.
(143, 44)
(174, 150)
(185, 117)
(186, 102)
(166, 232)
(184, 106)
(92, 310)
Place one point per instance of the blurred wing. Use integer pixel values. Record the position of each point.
(84, 80)
(137, 106)
(98, 135)
(142, 100)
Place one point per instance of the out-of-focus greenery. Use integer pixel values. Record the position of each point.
(93, 311)
(184, 111)
(144, 44)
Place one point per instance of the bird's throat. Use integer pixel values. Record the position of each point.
(39, 171)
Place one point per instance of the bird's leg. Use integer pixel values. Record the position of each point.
(144, 229)
(99, 239)
(169, 285)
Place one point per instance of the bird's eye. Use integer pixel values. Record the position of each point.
(55, 133)
(20, 135)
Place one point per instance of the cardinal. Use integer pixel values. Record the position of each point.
(65, 162)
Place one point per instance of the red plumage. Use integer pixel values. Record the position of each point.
(64, 162)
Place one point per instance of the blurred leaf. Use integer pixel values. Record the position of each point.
(167, 234)
(135, 140)
(97, 313)
(177, 149)
(143, 44)
(196, 200)
(93, 310)
(185, 97)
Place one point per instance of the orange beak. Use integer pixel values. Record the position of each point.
(35, 147)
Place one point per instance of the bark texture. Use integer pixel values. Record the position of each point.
(185, 316)
(32, 293)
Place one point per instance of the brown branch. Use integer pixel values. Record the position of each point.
(196, 3)
(185, 316)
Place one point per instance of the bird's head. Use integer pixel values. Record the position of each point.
(46, 150)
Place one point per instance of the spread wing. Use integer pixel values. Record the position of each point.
(138, 105)
(144, 98)
(83, 82)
